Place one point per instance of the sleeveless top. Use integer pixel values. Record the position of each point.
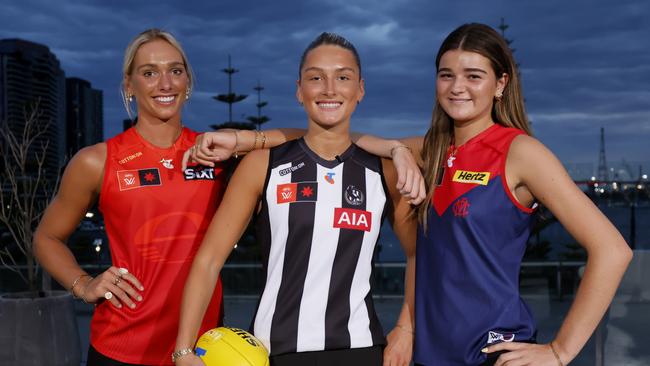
(155, 219)
(468, 261)
(318, 229)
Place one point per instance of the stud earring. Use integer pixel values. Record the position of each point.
(498, 96)
(129, 97)
(188, 91)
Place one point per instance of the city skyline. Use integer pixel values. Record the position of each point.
(583, 68)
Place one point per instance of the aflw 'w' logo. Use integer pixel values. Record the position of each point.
(129, 180)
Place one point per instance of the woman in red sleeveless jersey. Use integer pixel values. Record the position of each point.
(155, 213)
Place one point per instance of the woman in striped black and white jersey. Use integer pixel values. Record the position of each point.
(320, 201)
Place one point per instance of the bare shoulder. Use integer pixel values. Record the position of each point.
(91, 157)
(526, 153)
(86, 168)
(256, 160)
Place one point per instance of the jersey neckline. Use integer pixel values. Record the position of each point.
(174, 146)
(324, 162)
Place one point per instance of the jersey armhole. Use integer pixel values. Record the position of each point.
(105, 176)
(267, 178)
(504, 182)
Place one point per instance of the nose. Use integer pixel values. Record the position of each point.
(330, 87)
(458, 85)
(165, 82)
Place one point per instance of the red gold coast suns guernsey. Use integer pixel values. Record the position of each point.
(467, 263)
(155, 218)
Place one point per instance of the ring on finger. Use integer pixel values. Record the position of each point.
(122, 271)
(117, 280)
(108, 295)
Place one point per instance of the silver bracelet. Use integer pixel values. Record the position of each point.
(180, 353)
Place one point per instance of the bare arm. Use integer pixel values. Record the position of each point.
(228, 224)
(531, 167)
(221, 145)
(403, 219)
(78, 191)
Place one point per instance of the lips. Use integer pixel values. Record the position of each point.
(165, 99)
(459, 100)
(329, 105)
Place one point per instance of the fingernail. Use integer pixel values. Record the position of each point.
(141, 288)
(132, 306)
(119, 306)
(139, 298)
(484, 350)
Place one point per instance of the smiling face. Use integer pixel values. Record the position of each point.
(466, 86)
(158, 80)
(330, 86)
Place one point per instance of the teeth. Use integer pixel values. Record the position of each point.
(165, 99)
(329, 105)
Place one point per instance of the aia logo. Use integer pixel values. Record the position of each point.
(348, 218)
(131, 179)
(329, 177)
(461, 207)
(297, 192)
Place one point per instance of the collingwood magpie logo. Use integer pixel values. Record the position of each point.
(199, 173)
(353, 196)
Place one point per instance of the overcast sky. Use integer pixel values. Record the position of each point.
(584, 64)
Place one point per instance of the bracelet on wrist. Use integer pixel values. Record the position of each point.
(180, 353)
(236, 153)
(557, 357)
(75, 283)
(401, 146)
(263, 139)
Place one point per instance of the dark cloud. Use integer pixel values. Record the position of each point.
(584, 64)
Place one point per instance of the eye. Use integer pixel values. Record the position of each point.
(344, 77)
(445, 75)
(147, 73)
(474, 77)
(178, 71)
(315, 78)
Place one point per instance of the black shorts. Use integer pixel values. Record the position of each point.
(97, 359)
(370, 356)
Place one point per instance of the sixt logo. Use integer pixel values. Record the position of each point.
(463, 176)
(199, 173)
(329, 177)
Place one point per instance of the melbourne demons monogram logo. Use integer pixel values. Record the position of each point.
(461, 207)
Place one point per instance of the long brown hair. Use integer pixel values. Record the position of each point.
(509, 111)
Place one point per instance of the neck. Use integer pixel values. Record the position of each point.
(159, 133)
(463, 132)
(328, 143)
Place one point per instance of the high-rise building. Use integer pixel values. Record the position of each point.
(30, 75)
(85, 115)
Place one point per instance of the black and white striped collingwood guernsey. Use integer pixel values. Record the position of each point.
(318, 227)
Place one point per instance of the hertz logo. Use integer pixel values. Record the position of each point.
(463, 176)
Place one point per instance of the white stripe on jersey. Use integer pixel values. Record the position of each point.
(358, 324)
(311, 319)
(279, 231)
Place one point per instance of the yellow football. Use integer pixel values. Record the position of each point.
(232, 347)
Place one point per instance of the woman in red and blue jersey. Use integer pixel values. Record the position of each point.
(485, 175)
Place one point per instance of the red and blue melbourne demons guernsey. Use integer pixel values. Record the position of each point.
(467, 271)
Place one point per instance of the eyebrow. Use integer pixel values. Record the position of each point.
(469, 69)
(314, 68)
(171, 64)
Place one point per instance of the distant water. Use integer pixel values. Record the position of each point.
(555, 233)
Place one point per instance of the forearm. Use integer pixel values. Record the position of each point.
(601, 278)
(196, 298)
(376, 145)
(248, 140)
(407, 314)
(57, 259)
